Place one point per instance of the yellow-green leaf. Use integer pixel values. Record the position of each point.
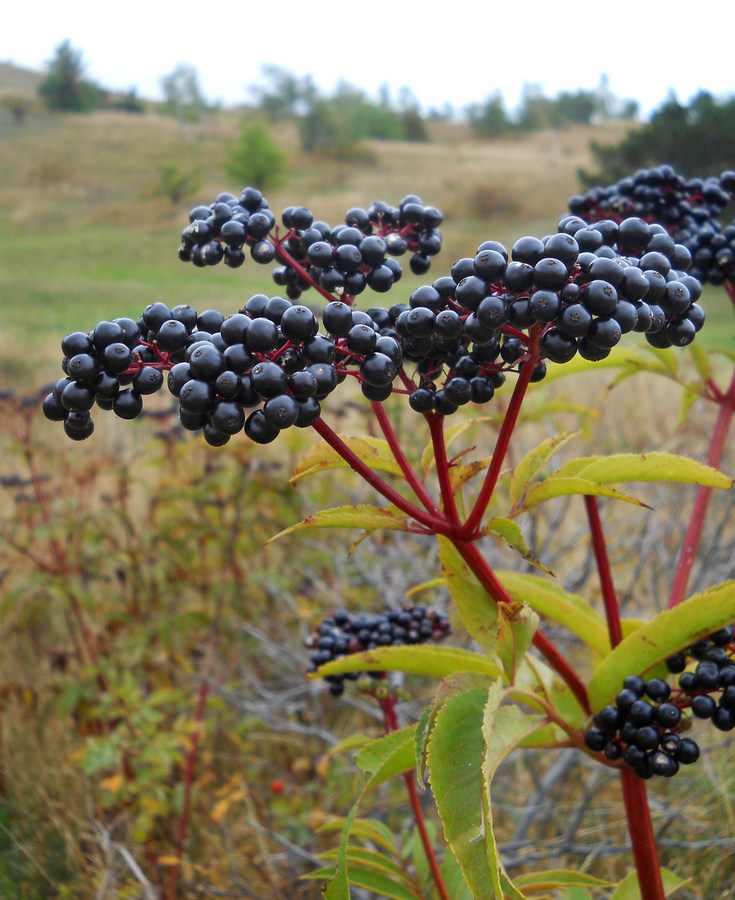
(533, 462)
(701, 359)
(655, 466)
(667, 633)
(558, 486)
(369, 518)
(418, 659)
(628, 888)
(373, 451)
(474, 605)
(517, 624)
(552, 601)
(510, 532)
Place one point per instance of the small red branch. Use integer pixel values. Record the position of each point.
(612, 609)
(436, 428)
(640, 828)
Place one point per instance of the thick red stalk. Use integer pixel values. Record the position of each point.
(609, 597)
(436, 428)
(640, 828)
(435, 523)
(285, 257)
(489, 580)
(501, 445)
(693, 535)
(400, 457)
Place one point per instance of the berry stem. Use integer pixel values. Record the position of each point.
(641, 833)
(400, 457)
(285, 257)
(609, 597)
(436, 428)
(693, 535)
(390, 722)
(434, 523)
(506, 430)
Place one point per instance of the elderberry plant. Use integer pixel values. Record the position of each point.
(625, 260)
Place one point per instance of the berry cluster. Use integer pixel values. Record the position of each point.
(346, 259)
(581, 289)
(342, 634)
(689, 208)
(261, 370)
(645, 733)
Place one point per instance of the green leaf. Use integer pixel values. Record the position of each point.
(533, 462)
(417, 659)
(378, 862)
(456, 750)
(387, 757)
(628, 888)
(559, 486)
(559, 878)
(688, 399)
(474, 605)
(552, 601)
(666, 467)
(381, 884)
(367, 517)
(517, 624)
(374, 451)
(510, 532)
(453, 878)
(450, 435)
(667, 633)
(370, 829)
(503, 728)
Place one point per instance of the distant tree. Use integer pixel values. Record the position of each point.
(578, 107)
(283, 94)
(183, 97)
(256, 159)
(64, 87)
(176, 184)
(18, 105)
(488, 119)
(694, 139)
(129, 102)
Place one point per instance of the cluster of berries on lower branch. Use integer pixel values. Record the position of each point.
(644, 726)
(269, 366)
(343, 634)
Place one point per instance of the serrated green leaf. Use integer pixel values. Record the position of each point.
(559, 486)
(377, 862)
(667, 633)
(421, 737)
(647, 467)
(381, 884)
(453, 878)
(628, 888)
(510, 532)
(563, 607)
(370, 518)
(533, 462)
(417, 659)
(374, 451)
(461, 473)
(503, 728)
(456, 751)
(386, 757)
(474, 605)
(370, 829)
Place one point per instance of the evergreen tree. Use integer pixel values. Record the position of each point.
(64, 87)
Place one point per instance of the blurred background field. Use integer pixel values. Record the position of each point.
(158, 542)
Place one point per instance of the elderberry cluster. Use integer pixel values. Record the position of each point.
(689, 209)
(347, 259)
(261, 370)
(643, 727)
(583, 286)
(342, 634)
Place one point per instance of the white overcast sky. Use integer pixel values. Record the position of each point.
(454, 51)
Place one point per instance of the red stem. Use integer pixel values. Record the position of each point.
(436, 428)
(501, 445)
(612, 610)
(435, 523)
(640, 828)
(400, 457)
(704, 495)
(489, 580)
(390, 722)
(188, 785)
(285, 257)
